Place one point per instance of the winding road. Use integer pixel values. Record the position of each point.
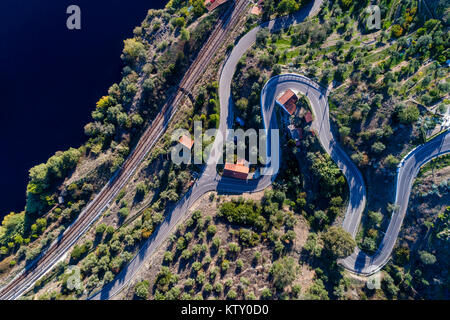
(209, 180)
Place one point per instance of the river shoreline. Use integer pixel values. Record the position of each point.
(52, 78)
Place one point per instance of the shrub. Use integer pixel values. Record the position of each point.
(296, 289)
(212, 229)
(168, 256)
(181, 244)
(396, 30)
(208, 288)
(225, 265)
(369, 244)
(100, 229)
(141, 189)
(376, 217)
(266, 293)
(124, 212)
(248, 238)
(216, 242)
(232, 295)
(233, 248)
(338, 242)
(141, 289)
(283, 272)
(409, 114)
(391, 161)
(218, 288)
(402, 255)
(427, 258)
(246, 213)
(378, 147)
(228, 283)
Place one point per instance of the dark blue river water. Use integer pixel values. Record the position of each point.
(51, 77)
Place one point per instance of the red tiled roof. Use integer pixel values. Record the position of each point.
(239, 170)
(236, 168)
(212, 4)
(288, 100)
(288, 94)
(186, 141)
(256, 10)
(290, 106)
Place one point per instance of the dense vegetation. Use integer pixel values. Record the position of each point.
(385, 85)
(216, 259)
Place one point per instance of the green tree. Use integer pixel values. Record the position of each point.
(123, 212)
(378, 147)
(185, 35)
(133, 51)
(444, 87)
(347, 3)
(338, 242)
(391, 161)
(427, 99)
(427, 258)
(317, 291)
(287, 6)
(141, 189)
(283, 272)
(396, 31)
(232, 295)
(141, 289)
(409, 114)
(178, 22)
(198, 7)
(266, 293)
(402, 255)
(376, 217)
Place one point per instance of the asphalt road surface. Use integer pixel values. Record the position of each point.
(408, 169)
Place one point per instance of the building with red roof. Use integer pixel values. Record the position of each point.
(256, 10)
(239, 170)
(212, 4)
(288, 101)
(186, 141)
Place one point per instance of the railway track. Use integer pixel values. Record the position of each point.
(45, 262)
